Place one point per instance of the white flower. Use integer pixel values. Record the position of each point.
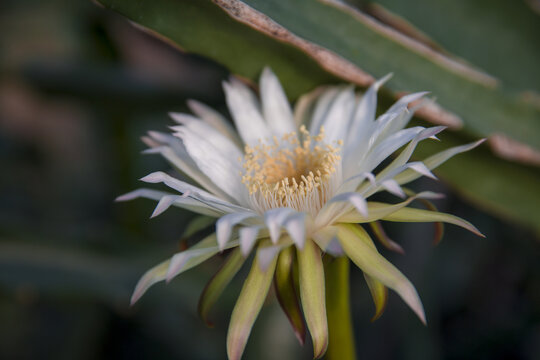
(282, 179)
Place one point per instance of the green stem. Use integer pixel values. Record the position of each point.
(341, 342)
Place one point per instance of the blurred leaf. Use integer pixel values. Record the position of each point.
(324, 29)
(500, 36)
(38, 269)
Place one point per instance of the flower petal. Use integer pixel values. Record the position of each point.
(195, 255)
(377, 210)
(218, 283)
(179, 201)
(364, 116)
(247, 308)
(215, 119)
(354, 242)
(380, 234)
(324, 103)
(244, 108)
(159, 272)
(296, 227)
(356, 199)
(312, 294)
(338, 117)
(276, 109)
(154, 275)
(174, 151)
(225, 225)
(275, 219)
(305, 105)
(435, 160)
(420, 215)
(217, 161)
(286, 293)
(379, 293)
(248, 237)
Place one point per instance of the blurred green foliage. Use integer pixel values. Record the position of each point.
(79, 85)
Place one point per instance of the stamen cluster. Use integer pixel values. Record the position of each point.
(295, 171)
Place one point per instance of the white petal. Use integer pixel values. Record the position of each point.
(181, 202)
(296, 227)
(274, 220)
(248, 236)
(176, 154)
(224, 170)
(355, 199)
(393, 187)
(244, 109)
(405, 155)
(388, 146)
(304, 106)
(215, 119)
(436, 160)
(193, 192)
(276, 109)
(225, 225)
(364, 114)
(421, 168)
(337, 119)
(321, 109)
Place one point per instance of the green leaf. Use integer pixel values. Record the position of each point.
(248, 306)
(312, 294)
(504, 28)
(218, 283)
(286, 293)
(341, 343)
(354, 241)
(202, 27)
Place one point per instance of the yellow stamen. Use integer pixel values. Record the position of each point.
(290, 172)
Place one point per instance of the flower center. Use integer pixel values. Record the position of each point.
(297, 172)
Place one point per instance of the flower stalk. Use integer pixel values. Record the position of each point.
(341, 344)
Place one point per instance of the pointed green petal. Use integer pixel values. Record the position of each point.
(312, 294)
(218, 283)
(439, 226)
(356, 245)
(190, 258)
(420, 215)
(286, 293)
(378, 210)
(152, 276)
(248, 306)
(388, 243)
(379, 293)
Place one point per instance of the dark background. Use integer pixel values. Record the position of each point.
(78, 87)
